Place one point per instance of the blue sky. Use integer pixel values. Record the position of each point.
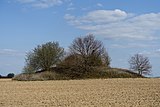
(126, 27)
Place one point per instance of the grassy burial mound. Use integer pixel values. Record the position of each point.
(66, 74)
(86, 58)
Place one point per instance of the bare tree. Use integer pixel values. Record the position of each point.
(86, 54)
(140, 63)
(90, 50)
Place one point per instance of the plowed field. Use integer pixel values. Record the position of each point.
(81, 93)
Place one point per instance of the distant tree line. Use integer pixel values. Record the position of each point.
(10, 75)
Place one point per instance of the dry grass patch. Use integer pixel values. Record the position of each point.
(140, 92)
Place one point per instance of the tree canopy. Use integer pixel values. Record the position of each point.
(43, 57)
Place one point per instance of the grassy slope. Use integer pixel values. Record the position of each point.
(124, 71)
(100, 73)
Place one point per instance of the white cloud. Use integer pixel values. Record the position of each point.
(11, 52)
(42, 3)
(103, 16)
(118, 24)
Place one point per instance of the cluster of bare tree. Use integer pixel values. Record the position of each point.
(85, 53)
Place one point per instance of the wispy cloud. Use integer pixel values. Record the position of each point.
(71, 4)
(11, 52)
(26, 1)
(42, 3)
(118, 24)
(99, 4)
(158, 51)
(95, 19)
(134, 45)
(103, 16)
(153, 53)
(70, 7)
